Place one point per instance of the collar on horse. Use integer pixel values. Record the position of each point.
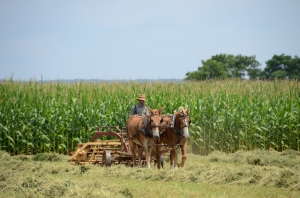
(144, 128)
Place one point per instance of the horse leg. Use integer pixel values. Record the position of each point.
(133, 152)
(173, 157)
(156, 151)
(183, 155)
(140, 155)
(152, 154)
(158, 155)
(145, 147)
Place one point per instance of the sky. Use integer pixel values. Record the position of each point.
(139, 39)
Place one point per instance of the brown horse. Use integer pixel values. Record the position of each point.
(141, 130)
(174, 132)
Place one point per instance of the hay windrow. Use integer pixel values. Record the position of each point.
(46, 177)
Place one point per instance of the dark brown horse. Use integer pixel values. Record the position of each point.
(142, 130)
(174, 133)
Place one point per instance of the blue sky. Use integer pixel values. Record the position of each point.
(131, 40)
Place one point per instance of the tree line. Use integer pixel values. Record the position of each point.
(224, 66)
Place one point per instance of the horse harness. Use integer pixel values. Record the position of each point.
(175, 129)
(172, 125)
(144, 128)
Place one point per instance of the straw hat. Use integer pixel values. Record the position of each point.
(141, 97)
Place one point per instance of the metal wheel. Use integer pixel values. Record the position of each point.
(106, 158)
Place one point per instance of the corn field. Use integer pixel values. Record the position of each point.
(229, 115)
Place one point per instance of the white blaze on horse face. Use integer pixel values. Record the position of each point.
(155, 124)
(155, 131)
(185, 129)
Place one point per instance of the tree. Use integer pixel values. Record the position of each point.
(247, 66)
(222, 66)
(282, 67)
(214, 69)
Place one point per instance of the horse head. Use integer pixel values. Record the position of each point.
(182, 121)
(155, 121)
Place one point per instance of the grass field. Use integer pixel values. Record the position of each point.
(252, 174)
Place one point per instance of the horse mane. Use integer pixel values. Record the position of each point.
(180, 109)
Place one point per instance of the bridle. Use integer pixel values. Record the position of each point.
(179, 130)
(146, 131)
(152, 121)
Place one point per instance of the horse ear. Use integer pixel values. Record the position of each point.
(161, 109)
(188, 111)
(150, 109)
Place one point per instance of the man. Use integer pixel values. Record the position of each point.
(140, 107)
